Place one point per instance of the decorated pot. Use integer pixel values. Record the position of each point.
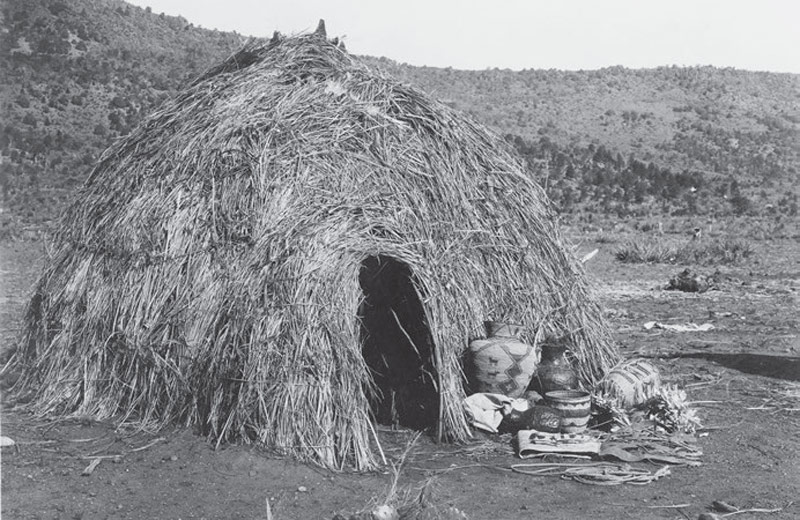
(575, 407)
(555, 370)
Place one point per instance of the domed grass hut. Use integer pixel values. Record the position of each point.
(293, 248)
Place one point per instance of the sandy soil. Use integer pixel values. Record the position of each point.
(746, 373)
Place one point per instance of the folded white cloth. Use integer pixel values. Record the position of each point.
(486, 411)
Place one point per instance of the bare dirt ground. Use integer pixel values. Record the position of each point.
(745, 373)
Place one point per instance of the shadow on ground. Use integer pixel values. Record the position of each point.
(778, 367)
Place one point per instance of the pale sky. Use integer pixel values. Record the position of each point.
(528, 34)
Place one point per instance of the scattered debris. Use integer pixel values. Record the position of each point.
(669, 409)
(688, 327)
(597, 473)
(148, 445)
(723, 507)
(589, 256)
(88, 470)
(402, 504)
(728, 510)
(268, 508)
(689, 281)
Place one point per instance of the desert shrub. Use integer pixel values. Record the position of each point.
(718, 251)
(642, 253)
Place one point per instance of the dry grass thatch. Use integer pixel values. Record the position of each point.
(208, 272)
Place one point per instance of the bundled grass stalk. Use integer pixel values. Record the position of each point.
(208, 273)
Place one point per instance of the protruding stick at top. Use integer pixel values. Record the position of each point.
(321, 29)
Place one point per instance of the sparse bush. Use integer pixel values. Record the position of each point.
(721, 251)
(640, 253)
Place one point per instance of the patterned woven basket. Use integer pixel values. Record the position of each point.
(502, 363)
(575, 407)
(631, 382)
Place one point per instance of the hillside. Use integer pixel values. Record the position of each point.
(724, 120)
(77, 75)
(718, 140)
(80, 73)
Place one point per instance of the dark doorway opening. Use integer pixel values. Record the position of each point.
(397, 345)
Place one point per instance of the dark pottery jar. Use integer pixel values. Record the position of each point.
(540, 418)
(555, 371)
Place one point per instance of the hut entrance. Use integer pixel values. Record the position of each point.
(397, 345)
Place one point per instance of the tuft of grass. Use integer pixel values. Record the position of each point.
(713, 252)
(722, 251)
(641, 253)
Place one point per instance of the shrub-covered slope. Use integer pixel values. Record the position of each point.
(77, 74)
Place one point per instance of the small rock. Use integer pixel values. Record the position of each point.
(252, 473)
(173, 458)
(302, 489)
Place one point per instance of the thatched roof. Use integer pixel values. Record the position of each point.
(208, 272)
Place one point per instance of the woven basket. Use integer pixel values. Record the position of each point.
(631, 382)
(502, 363)
(575, 407)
